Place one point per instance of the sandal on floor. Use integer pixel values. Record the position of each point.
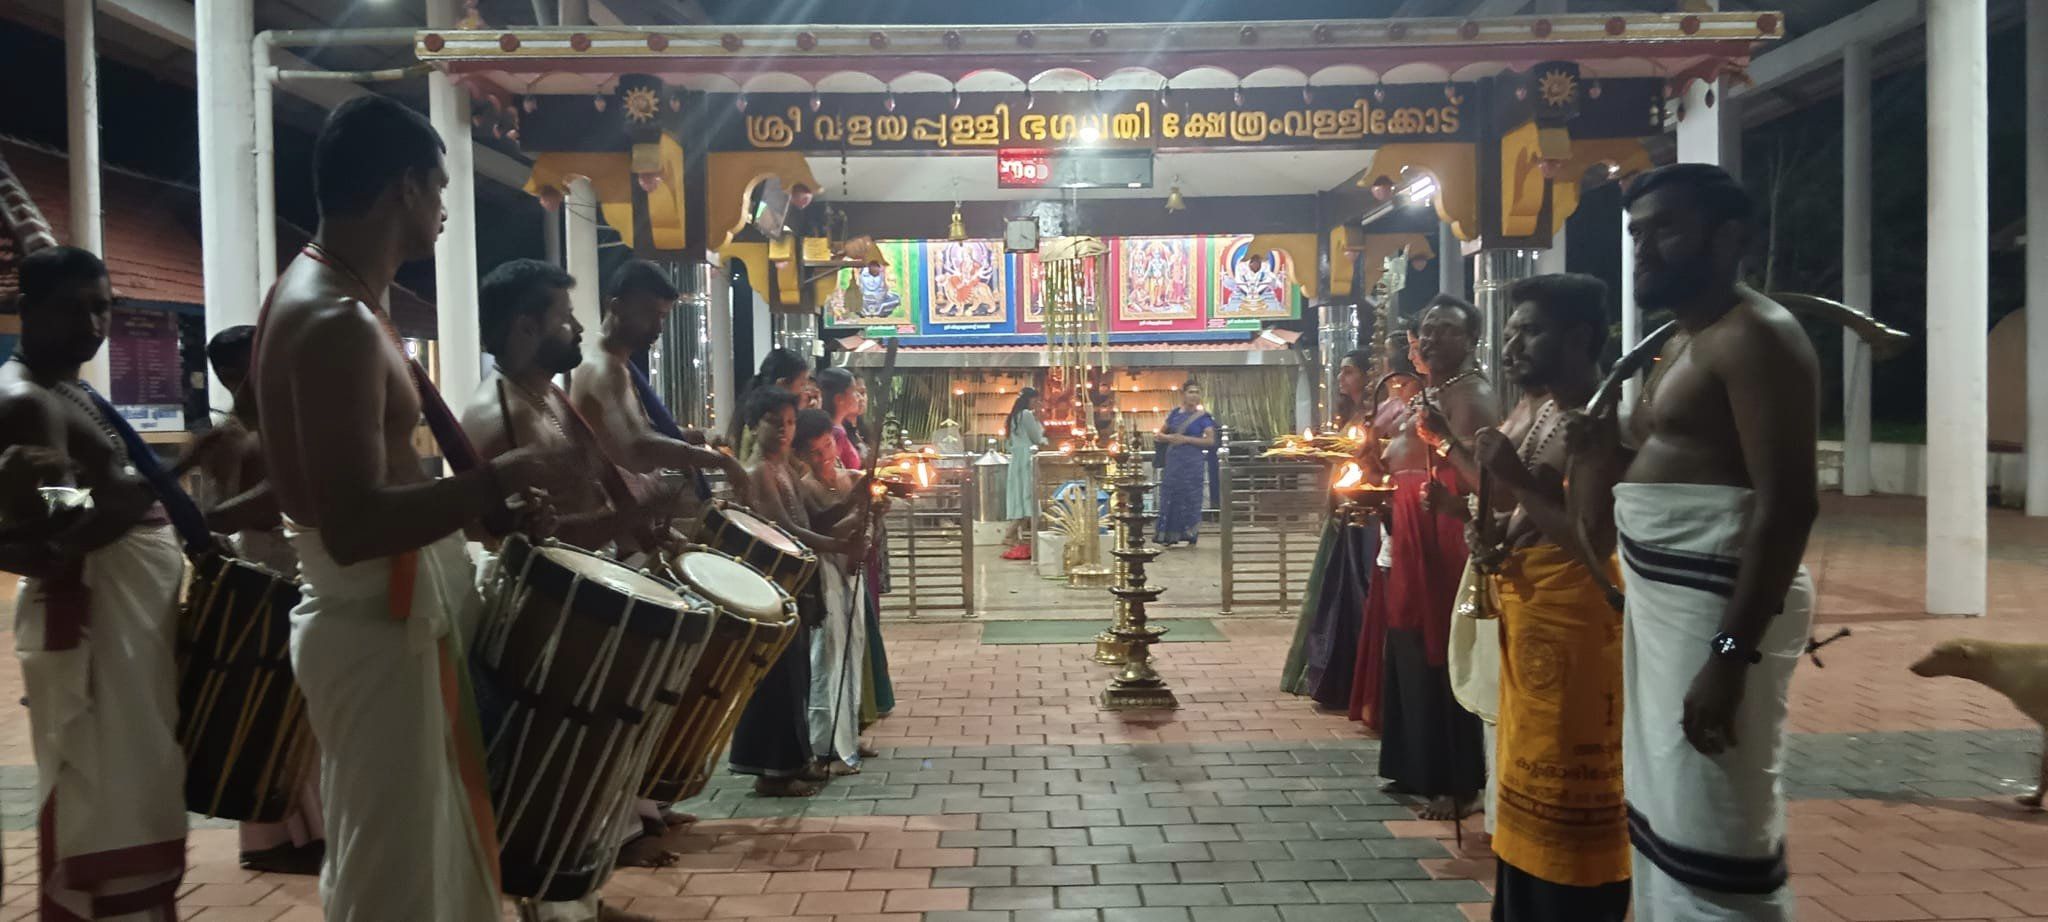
(785, 787)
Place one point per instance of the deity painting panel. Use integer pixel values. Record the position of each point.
(1156, 279)
(1255, 286)
(879, 295)
(967, 282)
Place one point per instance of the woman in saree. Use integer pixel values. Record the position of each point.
(1185, 443)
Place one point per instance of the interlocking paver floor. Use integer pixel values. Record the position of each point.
(1004, 794)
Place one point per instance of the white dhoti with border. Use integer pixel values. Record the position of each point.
(100, 670)
(839, 648)
(1708, 831)
(405, 838)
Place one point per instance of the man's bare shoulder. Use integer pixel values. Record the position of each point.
(1759, 334)
(22, 400)
(599, 374)
(1473, 394)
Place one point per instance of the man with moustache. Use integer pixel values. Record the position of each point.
(1560, 827)
(615, 396)
(526, 324)
(1429, 745)
(388, 595)
(1713, 507)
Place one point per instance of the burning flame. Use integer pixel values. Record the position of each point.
(924, 474)
(1066, 448)
(1308, 432)
(1355, 432)
(1349, 476)
(879, 490)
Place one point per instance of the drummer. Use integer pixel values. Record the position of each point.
(239, 504)
(614, 396)
(388, 594)
(526, 324)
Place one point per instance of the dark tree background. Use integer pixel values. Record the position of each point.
(1793, 167)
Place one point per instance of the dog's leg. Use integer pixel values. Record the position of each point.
(2041, 784)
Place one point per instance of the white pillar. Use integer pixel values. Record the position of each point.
(1631, 315)
(223, 30)
(1551, 261)
(455, 252)
(82, 79)
(573, 13)
(1958, 222)
(1708, 130)
(1450, 261)
(1856, 267)
(263, 88)
(2037, 258)
(579, 245)
(723, 384)
(551, 235)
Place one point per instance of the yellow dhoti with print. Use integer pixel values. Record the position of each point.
(1561, 813)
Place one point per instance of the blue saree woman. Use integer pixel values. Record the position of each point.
(1185, 443)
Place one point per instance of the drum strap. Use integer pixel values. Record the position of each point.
(585, 435)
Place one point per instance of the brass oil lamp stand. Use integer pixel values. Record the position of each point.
(1094, 461)
(1129, 641)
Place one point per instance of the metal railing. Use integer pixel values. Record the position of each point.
(930, 546)
(1272, 518)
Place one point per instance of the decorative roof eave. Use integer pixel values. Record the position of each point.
(1167, 48)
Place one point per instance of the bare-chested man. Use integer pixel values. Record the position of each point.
(1713, 511)
(239, 503)
(96, 626)
(528, 328)
(388, 589)
(238, 500)
(1560, 827)
(1429, 745)
(532, 335)
(613, 394)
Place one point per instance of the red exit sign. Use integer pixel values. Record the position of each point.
(1023, 168)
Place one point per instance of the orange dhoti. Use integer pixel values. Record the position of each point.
(1561, 815)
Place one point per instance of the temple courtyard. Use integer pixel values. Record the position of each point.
(1004, 794)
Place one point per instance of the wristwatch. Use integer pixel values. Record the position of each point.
(1725, 646)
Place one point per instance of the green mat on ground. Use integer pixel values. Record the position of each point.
(1063, 631)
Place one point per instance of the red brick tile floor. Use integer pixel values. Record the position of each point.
(1859, 859)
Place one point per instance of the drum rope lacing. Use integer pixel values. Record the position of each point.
(606, 796)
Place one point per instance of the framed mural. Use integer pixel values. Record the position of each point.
(1158, 283)
(881, 299)
(968, 280)
(1252, 287)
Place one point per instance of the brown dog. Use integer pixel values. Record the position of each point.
(2018, 671)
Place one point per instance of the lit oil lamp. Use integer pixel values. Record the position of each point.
(1358, 499)
(910, 476)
